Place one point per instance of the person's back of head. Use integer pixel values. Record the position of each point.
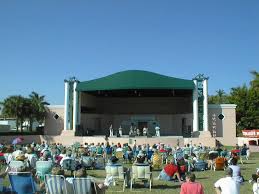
(229, 172)
(190, 176)
(234, 161)
(57, 171)
(80, 173)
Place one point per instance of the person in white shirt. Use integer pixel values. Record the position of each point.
(111, 131)
(227, 185)
(157, 128)
(236, 171)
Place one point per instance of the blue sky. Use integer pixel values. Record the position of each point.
(44, 42)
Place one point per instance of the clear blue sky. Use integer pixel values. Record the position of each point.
(44, 42)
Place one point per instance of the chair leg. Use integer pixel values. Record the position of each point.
(150, 184)
(131, 184)
(124, 183)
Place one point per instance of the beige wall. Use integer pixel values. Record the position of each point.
(54, 126)
(226, 128)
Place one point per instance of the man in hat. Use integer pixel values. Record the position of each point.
(227, 185)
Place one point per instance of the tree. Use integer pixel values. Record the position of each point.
(25, 109)
(13, 108)
(255, 82)
(220, 98)
(39, 108)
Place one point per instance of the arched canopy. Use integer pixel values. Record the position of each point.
(135, 79)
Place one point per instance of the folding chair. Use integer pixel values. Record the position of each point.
(142, 173)
(14, 165)
(42, 168)
(117, 173)
(22, 182)
(88, 161)
(83, 186)
(55, 184)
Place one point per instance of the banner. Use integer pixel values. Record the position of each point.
(251, 133)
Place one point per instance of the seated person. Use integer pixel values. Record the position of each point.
(236, 171)
(114, 162)
(2, 177)
(169, 171)
(141, 158)
(100, 186)
(255, 182)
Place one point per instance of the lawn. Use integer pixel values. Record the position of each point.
(207, 178)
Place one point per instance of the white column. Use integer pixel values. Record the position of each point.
(66, 105)
(75, 106)
(79, 108)
(195, 123)
(205, 105)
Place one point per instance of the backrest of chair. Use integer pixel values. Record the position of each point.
(119, 154)
(117, 172)
(82, 186)
(178, 155)
(141, 172)
(22, 182)
(100, 162)
(14, 165)
(55, 184)
(87, 161)
(43, 167)
(69, 164)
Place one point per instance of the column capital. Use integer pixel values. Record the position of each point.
(200, 77)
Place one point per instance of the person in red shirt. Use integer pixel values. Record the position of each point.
(169, 171)
(190, 186)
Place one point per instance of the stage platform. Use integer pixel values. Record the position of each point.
(68, 138)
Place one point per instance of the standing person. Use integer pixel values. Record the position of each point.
(236, 171)
(157, 128)
(111, 131)
(145, 131)
(190, 186)
(227, 185)
(120, 131)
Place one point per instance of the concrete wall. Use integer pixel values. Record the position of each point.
(54, 126)
(225, 128)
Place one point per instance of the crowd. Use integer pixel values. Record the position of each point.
(176, 164)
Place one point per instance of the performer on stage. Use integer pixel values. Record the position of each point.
(145, 131)
(157, 128)
(138, 132)
(120, 131)
(111, 131)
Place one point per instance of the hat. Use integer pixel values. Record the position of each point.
(140, 154)
(114, 159)
(20, 157)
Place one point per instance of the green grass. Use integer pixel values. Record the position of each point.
(207, 178)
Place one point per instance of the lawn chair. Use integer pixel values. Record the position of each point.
(157, 161)
(55, 184)
(22, 182)
(69, 165)
(99, 162)
(42, 168)
(83, 186)
(142, 173)
(88, 162)
(219, 164)
(117, 172)
(15, 165)
(119, 155)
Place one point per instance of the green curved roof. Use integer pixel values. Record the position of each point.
(135, 79)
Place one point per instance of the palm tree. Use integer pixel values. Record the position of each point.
(221, 96)
(39, 108)
(13, 108)
(255, 82)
